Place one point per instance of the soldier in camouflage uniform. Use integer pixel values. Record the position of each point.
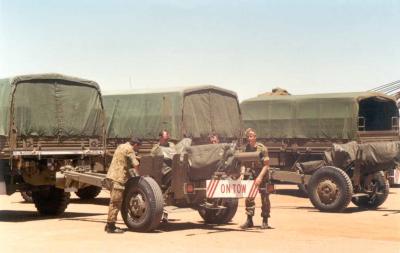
(260, 175)
(123, 166)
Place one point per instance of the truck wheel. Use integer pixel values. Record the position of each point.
(27, 196)
(143, 203)
(219, 216)
(303, 190)
(330, 189)
(89, 192)
(378, 187)
(51, 201)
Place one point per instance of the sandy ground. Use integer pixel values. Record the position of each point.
(298, 227)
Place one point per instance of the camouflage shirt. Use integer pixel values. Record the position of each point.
(259, 147)
(124, 159)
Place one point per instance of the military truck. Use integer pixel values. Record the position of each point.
(53, 142)
(192, 112)
(48, 122)
(299, 129)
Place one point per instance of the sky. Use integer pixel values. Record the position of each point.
(249, 47)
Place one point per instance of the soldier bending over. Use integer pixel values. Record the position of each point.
(123, 166)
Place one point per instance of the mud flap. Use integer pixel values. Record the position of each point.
(3, 188)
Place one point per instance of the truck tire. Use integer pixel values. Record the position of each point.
(143, 203)
(303, 190)
(379, 186)
(330, 189)
(220, 216)
(27, 196)
(89, 192)
(51, 201)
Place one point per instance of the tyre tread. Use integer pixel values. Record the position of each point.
(345, 197)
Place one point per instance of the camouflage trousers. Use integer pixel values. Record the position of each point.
(117, 193)
(265, 205)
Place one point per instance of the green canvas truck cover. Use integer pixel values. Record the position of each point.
(371, 157)
(186, 112)
(49, 105)
(317, 116)
(204, 160)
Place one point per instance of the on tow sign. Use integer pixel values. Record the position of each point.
(231, 189)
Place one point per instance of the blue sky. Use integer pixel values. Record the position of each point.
(246, 46)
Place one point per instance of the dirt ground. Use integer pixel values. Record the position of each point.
(298, 227)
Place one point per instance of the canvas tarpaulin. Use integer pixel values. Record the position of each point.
(204, 113)
(319, 116)
(186, 112)
(204, 160)
(51, 105)
(371, 157)
(142, 115)
(5, 96)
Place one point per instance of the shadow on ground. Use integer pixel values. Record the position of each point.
(360, 209)
(96, 201)
(291, 192)
(175, 225)
(206, 228)
(348, 210)
(24, 216)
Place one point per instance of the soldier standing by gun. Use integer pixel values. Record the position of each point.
(163, 141)
(166, 170)
(260, 176)
(122, 164)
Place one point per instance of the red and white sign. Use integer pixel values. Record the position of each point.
(397, 175)
(231, 189)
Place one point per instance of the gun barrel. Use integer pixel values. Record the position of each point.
(247, 156)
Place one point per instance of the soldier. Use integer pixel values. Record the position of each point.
(260, 175)
(163, 141)
(213, 137)
(123, 166)
(166, 170)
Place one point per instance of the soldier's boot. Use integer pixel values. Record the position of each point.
(248, 223)
(264, 224)
(111, 228)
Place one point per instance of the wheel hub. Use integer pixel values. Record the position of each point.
(327, 191)
(137, 206)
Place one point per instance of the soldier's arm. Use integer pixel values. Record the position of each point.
(154, 150)
(265, 167)
(134, 161)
